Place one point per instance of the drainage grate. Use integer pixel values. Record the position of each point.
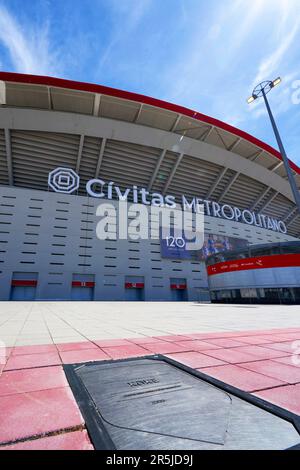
(157, 403)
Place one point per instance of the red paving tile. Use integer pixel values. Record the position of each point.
(39, 349)
(145, 340)
(165, 347)
(286, 337)
(76, 346)
(233, 356)
(275, 338)
(36, 401)
(5, 352)
(275, 369)
(287, 397)
(261, 352)
(28, 414)
(107, 343)
(77, 440)
(255, 340)
(33, 360)
(261, 332)
(172, 338)
(195, 360)
(207, 336)
(285, 330)
(120, 352)
(198, 345)
(197, 336)
(283, 339)
(289, 360)
(30, 380)
(275, 334)
(237, 334)
(286, 346)
(225, 342)
(241, 378)
(86, 355)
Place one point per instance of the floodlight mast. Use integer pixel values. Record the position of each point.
(262, 90)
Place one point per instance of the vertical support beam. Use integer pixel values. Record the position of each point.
(137, 116)
(96, 105)
(208, 133)
(277, 166)
(173, 128)
(295, 209)
(214, 186)
(50, 103)
(233, 179)
(100, 158)
(293, 219)
(201, 137)
(81, 142)
(256, 155)
(172, 174)
(260, 198)
(235, 144)
(9, 157)
(2, 92)
(271, 199)
(221, 138)
(154, 174)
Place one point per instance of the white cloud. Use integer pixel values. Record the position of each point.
(28, 47)
(130, 13)
(241, 42)
(281, 58)
(270, 64)
(209, 53)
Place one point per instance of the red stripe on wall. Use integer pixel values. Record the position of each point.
(24, 282)
(134, 285)
(178, 286)
(93, 88)
(262, 262)
(83, 284)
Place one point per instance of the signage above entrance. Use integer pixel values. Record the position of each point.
(65, 180)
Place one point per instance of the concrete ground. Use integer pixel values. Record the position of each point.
(252, 347)
(29, 323)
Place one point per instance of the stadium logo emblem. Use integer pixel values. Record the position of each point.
(63, 180)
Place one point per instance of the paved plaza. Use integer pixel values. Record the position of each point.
(255, 348)
(29, 323)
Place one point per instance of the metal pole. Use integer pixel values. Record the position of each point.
(288, 170)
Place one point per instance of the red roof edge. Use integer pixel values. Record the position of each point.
(93, 88)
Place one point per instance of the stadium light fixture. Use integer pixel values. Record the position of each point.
(251, 99)
(276, 82)
(262, 90)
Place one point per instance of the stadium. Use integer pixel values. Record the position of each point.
(64, 144)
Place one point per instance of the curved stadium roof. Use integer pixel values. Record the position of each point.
(160, 145)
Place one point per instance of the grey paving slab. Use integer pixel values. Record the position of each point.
(150, 404)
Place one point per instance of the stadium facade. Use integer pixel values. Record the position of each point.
(267, 273)
(64, 146)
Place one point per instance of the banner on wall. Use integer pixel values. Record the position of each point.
(174, 247)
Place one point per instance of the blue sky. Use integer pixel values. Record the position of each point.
(204, 54)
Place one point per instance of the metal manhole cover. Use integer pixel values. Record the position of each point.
(155, 403)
